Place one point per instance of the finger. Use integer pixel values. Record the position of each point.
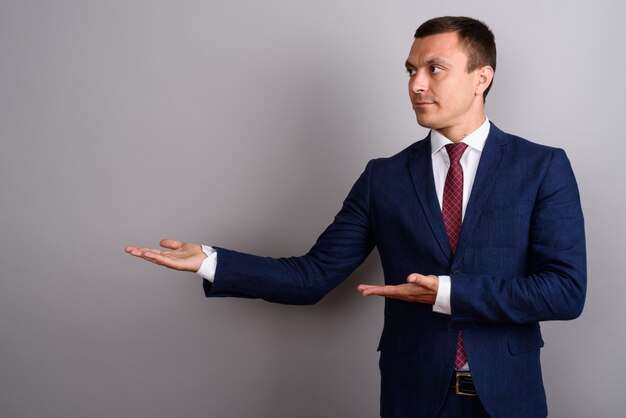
(366, 289)
(157, 258)
(134, 248)
(171, 244)
(143, 253)
(139, 251)
(377, 291)
(134, 251)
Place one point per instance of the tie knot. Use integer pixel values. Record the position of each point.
(455, 151)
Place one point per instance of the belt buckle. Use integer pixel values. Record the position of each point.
(467, 376)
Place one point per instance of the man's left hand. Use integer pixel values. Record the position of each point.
(419, 288)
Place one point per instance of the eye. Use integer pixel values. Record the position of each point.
(434, 69)
(410, 71)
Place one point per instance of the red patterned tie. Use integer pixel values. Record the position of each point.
(452, 210)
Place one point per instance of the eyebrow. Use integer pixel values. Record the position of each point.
(431, 61)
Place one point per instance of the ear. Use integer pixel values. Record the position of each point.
(485, 76)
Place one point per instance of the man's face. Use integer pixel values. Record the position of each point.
(444, 95)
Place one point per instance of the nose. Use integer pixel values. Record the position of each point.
(418, 83)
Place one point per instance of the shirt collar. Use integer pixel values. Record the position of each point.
(475, 140)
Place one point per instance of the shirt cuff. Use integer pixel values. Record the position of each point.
(209, 264)
(442, 300)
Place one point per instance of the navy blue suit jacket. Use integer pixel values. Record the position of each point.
(520, 260)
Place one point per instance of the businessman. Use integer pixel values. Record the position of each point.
(480, 235)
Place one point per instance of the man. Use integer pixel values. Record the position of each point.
(480, 235)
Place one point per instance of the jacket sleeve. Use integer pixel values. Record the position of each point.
(340, 249)
(554, 284)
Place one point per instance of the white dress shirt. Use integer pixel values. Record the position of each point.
(469, 163)
(441, 162)
(209, 264)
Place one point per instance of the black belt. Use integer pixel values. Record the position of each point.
(463, 384)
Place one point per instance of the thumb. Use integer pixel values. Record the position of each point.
(413, 278)
(171, 244)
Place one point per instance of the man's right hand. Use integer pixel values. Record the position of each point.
(183, 256)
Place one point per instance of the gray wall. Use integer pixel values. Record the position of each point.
(244, 124)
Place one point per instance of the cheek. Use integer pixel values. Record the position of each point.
(460, 96)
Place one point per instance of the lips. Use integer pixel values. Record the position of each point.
(422, 104)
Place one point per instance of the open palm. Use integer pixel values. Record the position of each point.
(184, 256)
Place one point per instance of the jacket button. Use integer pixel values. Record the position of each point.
(449, 326)
(456, 272)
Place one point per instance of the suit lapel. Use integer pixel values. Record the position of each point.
(421, 169)
(491, 162)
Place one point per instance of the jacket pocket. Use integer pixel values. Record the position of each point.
(525, 340)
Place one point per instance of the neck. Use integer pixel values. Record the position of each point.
(458, 132)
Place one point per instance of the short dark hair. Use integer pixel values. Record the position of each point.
(476, 37)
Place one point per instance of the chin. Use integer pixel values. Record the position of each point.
(426, 122)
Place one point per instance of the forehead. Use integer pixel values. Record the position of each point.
(439, 47)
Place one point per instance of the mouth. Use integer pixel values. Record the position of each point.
(421, 105)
